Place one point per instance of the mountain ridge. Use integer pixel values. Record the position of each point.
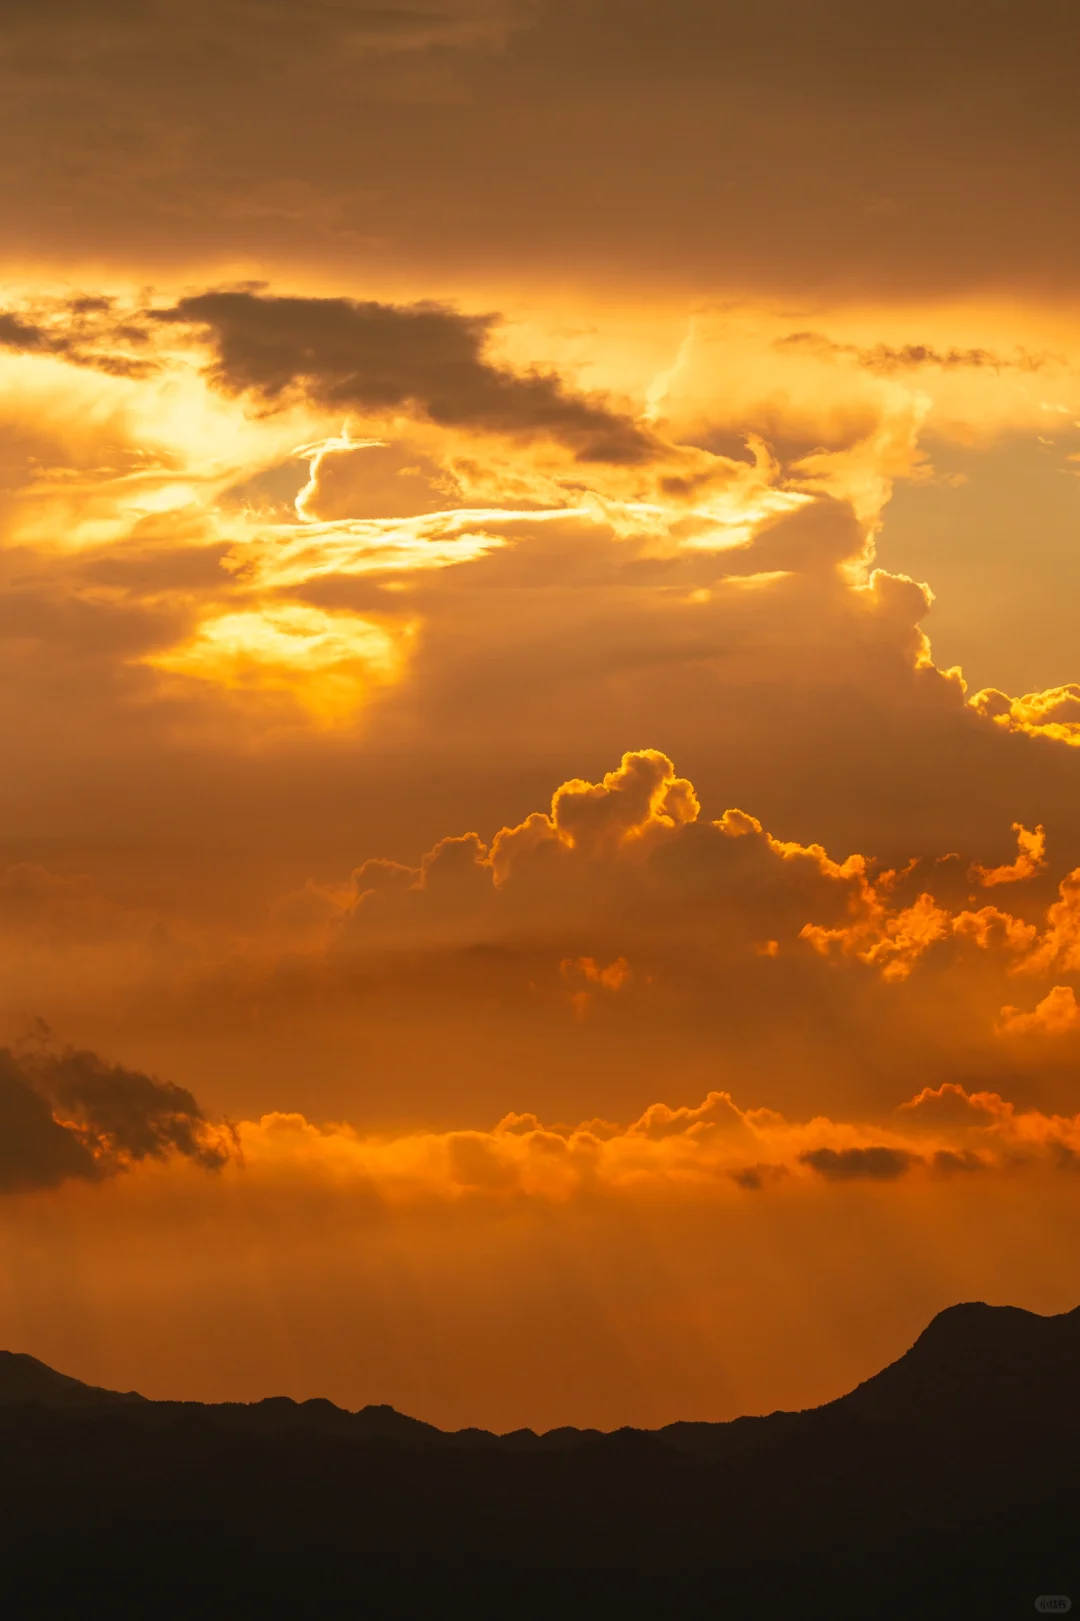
(945, 1369)
(945, 1486)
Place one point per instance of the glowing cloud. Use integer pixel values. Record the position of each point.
(1031, 859)
(1054, 713)
(1057, 1014)
(713, 1150)
(327, 662)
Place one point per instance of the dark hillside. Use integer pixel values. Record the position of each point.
(945, 1486)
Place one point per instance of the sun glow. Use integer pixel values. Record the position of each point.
(328, 663)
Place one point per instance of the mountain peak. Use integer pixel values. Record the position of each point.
(24, 1379)
(975, 1356)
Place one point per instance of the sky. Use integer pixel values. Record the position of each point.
(539, 855)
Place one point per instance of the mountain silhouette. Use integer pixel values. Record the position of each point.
(946, 1485)
(973, 1359)
(24, 1379)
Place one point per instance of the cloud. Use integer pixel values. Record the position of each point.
(1058, 948)
(123, 29)
(626, 927)
(36, 1150)
(126, 1116)
(681, 592)
(342, 656)
(20, 335)
(377, 480)
(565, 1273)
(69, 1114)
(626, 930)
(448, 626)
(875, 1164)
(500, 182)
(611, 978)
(1057, 1014)
(705, 1151)
(947, 1162)
(1054, 713)
(542, 868)
(473, 659)
(37, 906)
(887, 359)
(635, 807)
(988, 1128)
(634, 848)
(88, 330)
(950, 1106)
(428, 358)
(1031, 859)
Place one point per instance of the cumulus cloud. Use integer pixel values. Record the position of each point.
(1030, 859)
(951, 1106)
(543, 865)
(627, 927)
(705, 1151)
(630, 811)
(1054, 713)
(1057, 1014)
(69, 1114)
(636, 846)
(1058, 947)
(624, 927)
(894, 938)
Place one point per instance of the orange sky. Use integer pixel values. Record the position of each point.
(539, 861)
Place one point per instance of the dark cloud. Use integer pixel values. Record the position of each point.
(36, 1151)
(379, 357)
(83, 330)
(754, 1177)
(947, 1161)
(859, 1164)
(666, 141)
(70, 1115)
(20, 335)
(128, 1115)
(886, 358)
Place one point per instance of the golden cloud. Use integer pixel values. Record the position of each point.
(1054, 713)
(328, 662)
(712, 1150)
(1030, 859)
(1057, 1014)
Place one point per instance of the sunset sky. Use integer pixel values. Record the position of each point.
(539, 575)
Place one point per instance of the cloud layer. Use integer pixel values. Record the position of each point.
(505, 135)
